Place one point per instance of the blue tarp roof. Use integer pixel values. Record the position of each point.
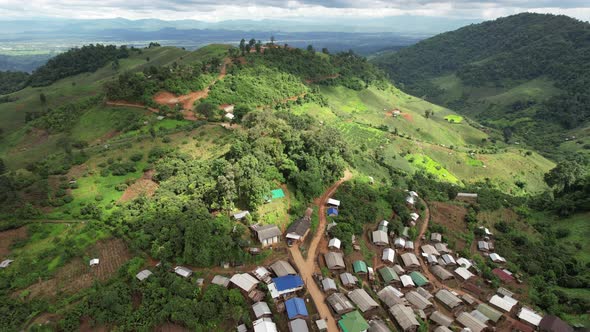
(287, 282)
(332, 211)
(295, 307)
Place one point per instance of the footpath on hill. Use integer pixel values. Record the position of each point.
(307, 266)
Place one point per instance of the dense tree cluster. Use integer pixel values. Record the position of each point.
(11, 81)
(504, 53)
(88, 58)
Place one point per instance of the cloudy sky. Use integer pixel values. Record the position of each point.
(218, 10)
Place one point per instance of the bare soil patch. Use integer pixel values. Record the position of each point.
(34, 137)
(143, 186)
(453, 218)
(76, 274)
(8, 237)
(408, 117)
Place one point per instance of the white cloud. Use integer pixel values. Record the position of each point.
(211, 10)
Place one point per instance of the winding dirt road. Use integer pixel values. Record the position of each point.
(307, 266)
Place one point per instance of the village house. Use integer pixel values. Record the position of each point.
(441, 319)
(321, 325)
(406, 281)
(359, 267)
(333, 202)
(221, 281)
(464, 262)
(282, 268)
(410, 260)
(490, 313)
(285, 285)
(183, 271)
(411, 197)
(448, 299)
(419, 279)
(503, 275)
(466, 196)
(262, 274)
(441, 273)
(470, 322)
(142, 275)
(391, 296)
(426, 294)
(240, 215)
(380, 238)
(94, 262)
(405, 318)
(388, 255)
(329, 285)
(362, 299)
(435, 237)
(497, 258)
(298, 325)
(334, 244)
(398, 269)
(353, 322)
(463, 273)
(504, 303)
(268, 234)
(377, 325)
(299, 229)
(261, 309)
(399, 242)
(429, 250)
(244, 281)
(348, 280)
(340, 303)
(418, 301)
(388, 275)
(409, 246)
(448, 260)
(334, 260)
(296, 308)
(264, 324)
(529, 316)
(442, 248)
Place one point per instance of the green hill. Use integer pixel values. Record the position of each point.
(525, 74)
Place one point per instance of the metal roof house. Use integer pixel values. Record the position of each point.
(183, 271)
(362, 299)
(463, 273)
(380, 238)
(391, 296)
(399, 269)
(441, 273)
(429, 250)
(503, 275)
(262, 274)
(359, 267)
(414, 216)
(299, 229)
(334, 260)
(442, 248)
(497, 258)
(353, 322)
(142, 275)
(491, 313)
(410, 260)
(264, 325)
(441, 319)
(399, 242)
(328, 284)
(94, 261)
(529, 316)
(221, 281)
(298, 325)
(483, 246)
(449, 299)
(419, 279)
(505, 303)
(268, 234)
(244, 281)
(240, 215)
(409, 245)
(436, 237)
(405, 318)
(448, 259)
(464, 262)
(418, 301)
(348, 280)
(388, 275)
(407, 281)
(296, 308)
(334, 243)
(340, 303)
(470, 322)
(377, 325)
(388, 255)
(333, 202)
(282, 268)
(261, 309)
(288, 284)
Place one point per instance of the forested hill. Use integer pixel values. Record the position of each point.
(526, 74)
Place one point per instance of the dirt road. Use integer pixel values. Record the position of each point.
(307, 266)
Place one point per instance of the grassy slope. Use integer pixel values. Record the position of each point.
(71, 89)
(358, 114)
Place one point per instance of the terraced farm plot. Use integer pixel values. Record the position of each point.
(454, 118)
(432, 167)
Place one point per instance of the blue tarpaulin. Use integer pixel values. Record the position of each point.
(287, 282)
(296, 308)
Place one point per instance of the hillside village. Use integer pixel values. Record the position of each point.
(410, 285)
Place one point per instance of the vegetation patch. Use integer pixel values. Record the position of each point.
(454, 118)
(432, 167)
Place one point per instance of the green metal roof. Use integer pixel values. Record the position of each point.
(360, 266)
(277, 193)
(418, 278)
(388, 274)
(491, 313)
(353, 322)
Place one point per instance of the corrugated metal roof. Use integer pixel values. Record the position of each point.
(340, 303)
(529, 316)
(391, 296)
(404, 316)
(417, 300)
(380, 237)
(410, 260)
(441, 319)
(261, 309)
(295, 307)
(505, 303)
(441, 272)
(362, 299)
(471, 322)
(334, 260)
(282, 268)
(491, 313)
